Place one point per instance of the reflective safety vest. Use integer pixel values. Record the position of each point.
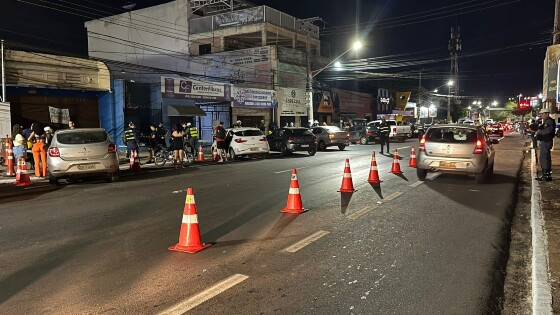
(193, 132)
(384, 128)
(130, 135)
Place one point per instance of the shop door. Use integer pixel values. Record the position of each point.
(214, 113)
(250, 121)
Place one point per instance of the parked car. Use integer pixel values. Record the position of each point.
(456, 149)
(329, 136)
(246, 142)
(495, 129)
(79, 153)
(358, 130)
(292, 139)
(396, 131)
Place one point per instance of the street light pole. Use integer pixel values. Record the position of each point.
(449, 85)
(3, 72)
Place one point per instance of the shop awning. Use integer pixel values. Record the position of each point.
(178, 107)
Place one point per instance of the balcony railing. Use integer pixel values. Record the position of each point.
(256, 15)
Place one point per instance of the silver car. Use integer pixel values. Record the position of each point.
(77, 153)
(330, 136)
(456, 149)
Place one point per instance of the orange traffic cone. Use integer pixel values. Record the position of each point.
(189, 237)
(347, 184)
(396, 168)
(22, 178)
(294, 205)
(10, 160)
(373, 172)
(215, 156)
(200, 155)
(134, 161)
(412, 162)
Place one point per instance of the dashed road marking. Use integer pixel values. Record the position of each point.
(359, 213)
(306, 241)
(205, 295)
(418, 183)
(404, 148)
(393, 196)
(297, 168)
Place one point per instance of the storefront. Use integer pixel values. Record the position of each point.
(251, 106)
(323, 104)
(292, 107)
(205, 103)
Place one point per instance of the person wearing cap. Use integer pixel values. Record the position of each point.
(48, 136)
(546, 135)
(20, 147)
(131, 139)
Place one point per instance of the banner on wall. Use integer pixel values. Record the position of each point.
(326, 104)
(292, 102)
(59, 115)
(254, 98)
(195, 90)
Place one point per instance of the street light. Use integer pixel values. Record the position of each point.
(338, 65)
(436, 90)
(357, 45)
(540, 95)
(450, 83)
(494, 103)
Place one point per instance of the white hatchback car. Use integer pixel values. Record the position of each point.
(246, 142)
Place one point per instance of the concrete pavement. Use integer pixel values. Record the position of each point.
(436, 247)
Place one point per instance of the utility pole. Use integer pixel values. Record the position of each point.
(556, 31)
(419, 96)
(454, 49)
(3, 71)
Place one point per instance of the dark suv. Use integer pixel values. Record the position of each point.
(292, 139)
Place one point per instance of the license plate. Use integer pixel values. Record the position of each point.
(254, 149)
(84, 167)
(448, 164)
(305, 145)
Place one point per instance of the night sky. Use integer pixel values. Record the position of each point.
(503, 46)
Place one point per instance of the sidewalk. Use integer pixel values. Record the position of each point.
(550, 205)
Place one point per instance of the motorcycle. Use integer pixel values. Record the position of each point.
(164, 155)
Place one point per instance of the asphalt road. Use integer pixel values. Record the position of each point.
(408, 247)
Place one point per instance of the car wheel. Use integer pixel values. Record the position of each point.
(53, 180)
(232, 154)
(421, 173)
(284, 149)
(188, 159)
(114, 177)
(341, 147)
(363, 140)
(322, 146)
(159, 158)
(312, 152)
(490, 171)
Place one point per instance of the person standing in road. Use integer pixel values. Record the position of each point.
(546, 135)
(162, 134)
(178, 146)
(192, 132)
(153, 143)
(533, 128)
(131, 139)
(220, 134)
(38, 138)
(384, 134)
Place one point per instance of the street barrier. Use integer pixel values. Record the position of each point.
(22, 178)
(200, 155)
(396, 167)
(373, 172)
(412, 162)
(294, 204)
(10, 159)
(215, 156)
(189, 236)
(134, 161)
(347, 184)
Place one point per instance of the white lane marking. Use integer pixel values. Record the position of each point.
(205, 295)
(433, 176)
(541, 288)
(393, 196)
(404, 148)
(359, 213)
(298, 168)
(418, 183)
(306, 241)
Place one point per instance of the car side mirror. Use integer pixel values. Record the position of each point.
(495, 141)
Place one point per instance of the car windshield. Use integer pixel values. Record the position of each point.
(452, 135)
(332, 129)
(81, 137)
(249, 133)
(300, 132)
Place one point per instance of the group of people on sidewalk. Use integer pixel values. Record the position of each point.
(36, 139)
(544, 133)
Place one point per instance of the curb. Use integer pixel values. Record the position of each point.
(541, 288)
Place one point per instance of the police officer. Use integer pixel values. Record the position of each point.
(131, 137)
(384, 134)
(192, 133)
(546, 135)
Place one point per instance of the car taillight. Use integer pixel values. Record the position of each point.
(239, 140)
(112, 148)
(331, 136)
(422, 145)
(54, 152)
(479, 148)
(291, 139)
(263, 139)
(394, 130)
